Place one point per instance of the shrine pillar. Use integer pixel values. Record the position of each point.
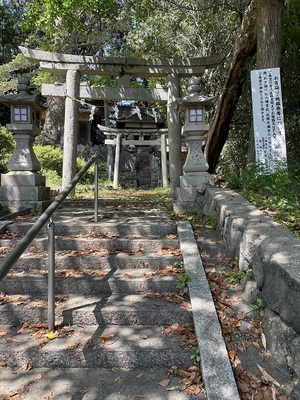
(174, 133)
(70, 127)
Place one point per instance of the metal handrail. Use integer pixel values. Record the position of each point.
(10, 260)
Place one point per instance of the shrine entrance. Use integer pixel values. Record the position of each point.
(73, 90)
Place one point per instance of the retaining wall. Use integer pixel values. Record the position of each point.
(273, 254)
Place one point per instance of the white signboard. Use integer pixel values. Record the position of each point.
(269, 133)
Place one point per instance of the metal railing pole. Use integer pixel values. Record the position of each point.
(51, 275)
(96, 191)
(10, 260)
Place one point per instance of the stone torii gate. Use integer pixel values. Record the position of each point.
(74, 66)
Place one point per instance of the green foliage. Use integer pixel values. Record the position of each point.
(210, 220)
(89, 175)
(11, 35)
(17, 65)
(290, 77)
(178, 264)
(179, 29)
(51, 160)
(50, 157)
(259, 306)
(34, 211)
(53, 179)
(7, 145)
(278, 193)
(236, 277)
(196, 358)
(183, 286)
(73, 26)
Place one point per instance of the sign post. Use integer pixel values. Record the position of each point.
(268, 121)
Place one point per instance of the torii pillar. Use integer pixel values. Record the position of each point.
(70, 127)
(174, 134)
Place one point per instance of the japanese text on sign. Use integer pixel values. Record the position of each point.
(269, 133)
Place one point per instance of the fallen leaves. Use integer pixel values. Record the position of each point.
(26, 367)
(16, 298)
(191, 379)
(186, 331)
(240, 329)
(169, 251)
(84, 390)
(267, 377)
(20, 393)
(5, 250)
(50, 335)
(172, 297)
(164, 382)
(169, 270)
(107, 339)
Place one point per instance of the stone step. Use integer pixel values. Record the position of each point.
(128, 347)
(151, 309)
(92, 242)
(78, 261)
(92, 384)
(133, 228)
(112, 281)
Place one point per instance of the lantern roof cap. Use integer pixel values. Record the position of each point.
(23, 96)
(193, 98)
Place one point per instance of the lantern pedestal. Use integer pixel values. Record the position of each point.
(22, 190)
(23, 187)
(196, 178)
(190, 186)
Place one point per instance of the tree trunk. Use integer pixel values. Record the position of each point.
(269, 44)
(54, 121)
(245, 46)
(269, 33)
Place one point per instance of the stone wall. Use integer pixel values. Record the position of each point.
(273, 254)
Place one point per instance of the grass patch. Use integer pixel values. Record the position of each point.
(277, 194)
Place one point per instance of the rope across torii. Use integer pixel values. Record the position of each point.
(74, 66)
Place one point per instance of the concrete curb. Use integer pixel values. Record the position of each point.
(215, 365)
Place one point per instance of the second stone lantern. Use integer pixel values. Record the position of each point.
(23, 187)
(195, 177)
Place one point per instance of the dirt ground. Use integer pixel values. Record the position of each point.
(239, 310)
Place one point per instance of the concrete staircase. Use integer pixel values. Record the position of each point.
(120, 320)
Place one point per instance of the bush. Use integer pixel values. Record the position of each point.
(50, 157)
(89, 175)
(7, 145)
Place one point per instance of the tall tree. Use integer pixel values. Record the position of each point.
(11, 15)
(73, 26)
(261, 30)
(245, 46)
(290, 74)
(269, 33)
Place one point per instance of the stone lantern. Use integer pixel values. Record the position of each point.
(195, 177)
(23, 186)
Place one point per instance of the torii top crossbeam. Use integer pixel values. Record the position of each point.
(74, 66)
(114, 66)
